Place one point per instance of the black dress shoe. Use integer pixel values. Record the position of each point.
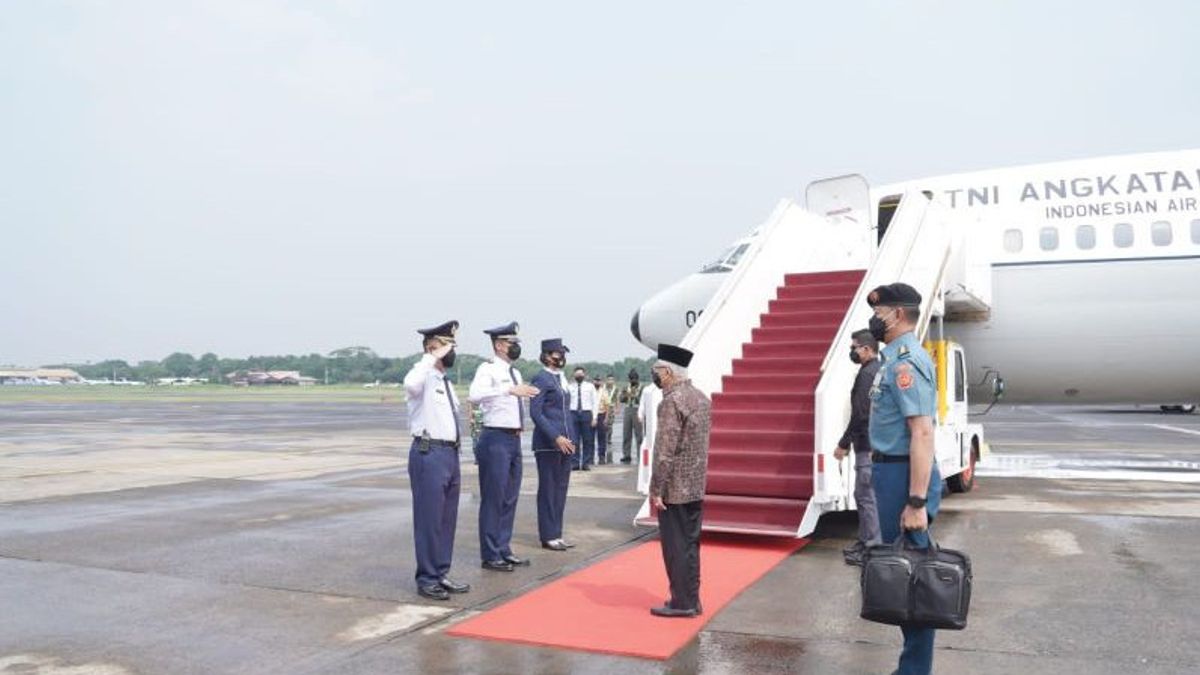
(454, 586)
(626, 460)
(433, 592)
(587, 467)
(555, 545)
(699, 607)
(672, 613)
(516, 561)
(497, 565)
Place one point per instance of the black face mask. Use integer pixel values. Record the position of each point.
(513, 352)
(878, 328)
(656, 379)
(854, 357)
(448, 359)
(579, 378)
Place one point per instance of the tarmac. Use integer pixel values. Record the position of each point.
(261, 537)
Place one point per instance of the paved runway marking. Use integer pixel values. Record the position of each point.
(1059, 542)
(1049, 466)
(37, 664)
(400, 619)
(1181, 430)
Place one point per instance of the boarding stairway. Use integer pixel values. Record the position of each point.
(772, 346)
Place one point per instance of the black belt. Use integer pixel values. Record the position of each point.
(506, 430)
(437, 442)
(880, 458)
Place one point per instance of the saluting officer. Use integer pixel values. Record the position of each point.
(498, 390)
(433, 470)
(904, 475)
(553, 443)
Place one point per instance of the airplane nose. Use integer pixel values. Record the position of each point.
(634, 328)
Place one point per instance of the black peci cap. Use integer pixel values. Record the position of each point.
(672, 354)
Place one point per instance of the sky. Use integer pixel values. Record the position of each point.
(269, 177)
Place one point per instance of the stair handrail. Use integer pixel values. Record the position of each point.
(706, 360)
(916, 250)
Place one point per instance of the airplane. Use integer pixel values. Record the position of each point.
(1094, 269)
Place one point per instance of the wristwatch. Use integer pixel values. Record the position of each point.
(916, 502)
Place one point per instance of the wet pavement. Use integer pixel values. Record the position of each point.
(256, 537)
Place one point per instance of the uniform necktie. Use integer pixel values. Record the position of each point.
(453, 410)
(512, 374)
(578, 397)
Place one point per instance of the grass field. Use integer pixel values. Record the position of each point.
(349, 393)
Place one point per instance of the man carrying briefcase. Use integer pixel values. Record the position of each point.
(905, 477)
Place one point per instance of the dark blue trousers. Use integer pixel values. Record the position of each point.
(585, 437)
(602, 437)
(554, 474)
(434, 479)
(890, 481)
(499, 455)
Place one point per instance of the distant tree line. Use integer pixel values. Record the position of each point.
(347, 365)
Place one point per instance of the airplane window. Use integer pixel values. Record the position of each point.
(1013, 241)
(1048, 239)
(1123, 235)
(1196, 231)
(1085, 237)
(720, 264)
(737, 254)
(1160, 233)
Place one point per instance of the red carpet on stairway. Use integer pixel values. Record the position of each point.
(605, 607)
(760, 461)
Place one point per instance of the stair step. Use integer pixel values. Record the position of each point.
(760, 420)
(743, 460)
(811, 353)
(798, 401)
(773, 365)
(757, 484)
(829, 319)
(757, 515)
(843, 276)
(767, 384)
(736, 440)
(837, 303)
(820, 336)
(843, 292)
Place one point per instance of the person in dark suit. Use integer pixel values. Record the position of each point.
(864, 350)
(553, 443)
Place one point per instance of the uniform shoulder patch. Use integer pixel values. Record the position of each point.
(904, 379)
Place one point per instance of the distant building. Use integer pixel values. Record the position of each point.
(39, 376)
(254, 378)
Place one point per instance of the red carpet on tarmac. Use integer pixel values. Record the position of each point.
(605, 608)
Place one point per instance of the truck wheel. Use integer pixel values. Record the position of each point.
(964, 481)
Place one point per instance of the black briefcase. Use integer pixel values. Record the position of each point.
(921, 588)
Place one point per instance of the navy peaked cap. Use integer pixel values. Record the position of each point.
(445, 330)
(507, 332)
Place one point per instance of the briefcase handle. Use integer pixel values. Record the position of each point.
(901, 542)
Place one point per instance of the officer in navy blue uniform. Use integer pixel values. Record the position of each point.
(908, 486)
(553, 443)
(498, 390)
(433, 469)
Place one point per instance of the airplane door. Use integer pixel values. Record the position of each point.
(844, 198)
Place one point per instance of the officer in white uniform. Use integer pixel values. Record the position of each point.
(498, 389)
(433, 469)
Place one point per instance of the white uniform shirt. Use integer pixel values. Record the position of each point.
(432, 404)
(648, 414)
(490, 391)
(588, 390)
